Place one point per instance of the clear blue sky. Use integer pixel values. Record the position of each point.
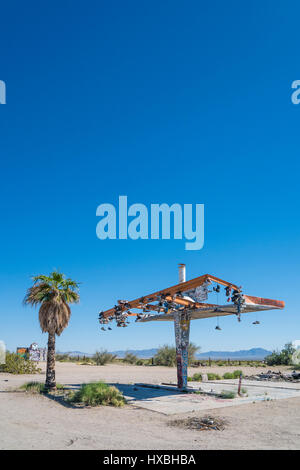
(162, 101)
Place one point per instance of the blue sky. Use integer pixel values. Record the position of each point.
(186, 102)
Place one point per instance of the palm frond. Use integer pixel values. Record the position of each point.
(54, 316)
(53, 293)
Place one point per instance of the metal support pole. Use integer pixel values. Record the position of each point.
(182, 334)
(182, 272)
(240, 384)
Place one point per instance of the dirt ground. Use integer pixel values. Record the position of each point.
(37, 422)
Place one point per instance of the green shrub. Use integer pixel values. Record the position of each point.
(98, 393)
(86, 360)
(232, 375)
(34, 387)
(166, 355)
(38, 387)
(237, 373)
(60, 386)
(193, 349)
(148, 362)
(103, 357)
(283, 357)
(227, 394)
(130, 358)
(197, 377)
(211, 376)
(16, 364)
(228, 375)
(62, 357)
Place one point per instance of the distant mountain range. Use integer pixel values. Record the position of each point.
(246, 354)
(254, 353)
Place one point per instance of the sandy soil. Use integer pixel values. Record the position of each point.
(36, 422)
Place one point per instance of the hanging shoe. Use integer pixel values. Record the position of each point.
(228, 290)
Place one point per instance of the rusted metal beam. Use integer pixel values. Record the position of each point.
(251, 299)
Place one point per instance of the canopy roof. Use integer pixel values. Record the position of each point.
(219, 310)
(163, 304)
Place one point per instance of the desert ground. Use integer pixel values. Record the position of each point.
(37, 422)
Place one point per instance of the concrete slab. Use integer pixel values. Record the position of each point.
(259, 383)
(169, 401)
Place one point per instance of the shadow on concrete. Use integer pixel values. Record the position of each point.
(130, 391)
(144, 392)
(61, 401)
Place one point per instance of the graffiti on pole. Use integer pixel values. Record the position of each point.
(182, 333)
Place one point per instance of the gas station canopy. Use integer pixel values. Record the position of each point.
(187, 297)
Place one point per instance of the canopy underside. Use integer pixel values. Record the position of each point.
(218, 311)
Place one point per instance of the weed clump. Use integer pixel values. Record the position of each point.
(212, 376)
(130, 358)
(233, 375)
(33, 387)
(228, 375)
(197, 377)
(227, 394)
(97, 393)
(237, 373)
(38, 387)
(16, 364)
(166, 355)
(103, 357)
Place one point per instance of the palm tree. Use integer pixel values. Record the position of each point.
(53, 293)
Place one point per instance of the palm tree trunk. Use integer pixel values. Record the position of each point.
(50, 374)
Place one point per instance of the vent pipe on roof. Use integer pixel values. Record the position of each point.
(181, 269)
